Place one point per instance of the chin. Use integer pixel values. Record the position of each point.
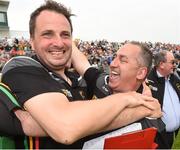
(110, 85)
(113, 87)
(114, 84)
(59, 62)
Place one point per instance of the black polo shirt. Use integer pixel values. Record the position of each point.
(27, 77)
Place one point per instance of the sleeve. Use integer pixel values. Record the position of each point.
(28, 81)
(9, 123)
(97, 83)
(8, 99)
(90, 77)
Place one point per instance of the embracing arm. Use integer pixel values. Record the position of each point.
(127, 116)
(79, 60)
(58, 114)
(130, 115)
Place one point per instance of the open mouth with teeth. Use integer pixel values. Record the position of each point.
(57, 53)
(114, 75)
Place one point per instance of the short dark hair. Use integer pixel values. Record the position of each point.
(146, 55)
(52, 6)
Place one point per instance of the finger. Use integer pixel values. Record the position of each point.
(146, 90)
(148, 98)
(148, 105)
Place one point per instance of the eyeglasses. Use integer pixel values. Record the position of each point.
(173, 62)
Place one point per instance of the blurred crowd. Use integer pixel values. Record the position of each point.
(100, 53)
(13, 47)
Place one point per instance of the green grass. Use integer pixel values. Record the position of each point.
(176, 144)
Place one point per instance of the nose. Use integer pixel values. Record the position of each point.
(174, 65)
(58, 41)
(114, 63)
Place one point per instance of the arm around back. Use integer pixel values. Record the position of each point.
(67, 121)
(79, 60)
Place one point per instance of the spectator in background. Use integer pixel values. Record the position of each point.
(166, 88)
(177, 70)
(105, 67)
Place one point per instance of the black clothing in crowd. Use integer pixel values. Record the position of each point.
(157, 85)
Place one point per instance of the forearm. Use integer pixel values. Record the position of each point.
(67, 121)
(128, 116)
(29, 125)
(76, 119)
(79, 60)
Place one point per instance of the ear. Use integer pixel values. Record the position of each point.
(161, 65)
(32, 43)
(141, 73)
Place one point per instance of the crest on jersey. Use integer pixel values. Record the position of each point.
(67, 93)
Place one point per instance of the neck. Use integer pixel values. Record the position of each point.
(134, 88)
(63, 75)
(137, 86)
(161, 72)
(60, 72)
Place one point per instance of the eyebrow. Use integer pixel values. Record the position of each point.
(47, 31)
(123, 56)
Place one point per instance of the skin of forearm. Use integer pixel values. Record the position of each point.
(82, 115)
(32, 128)
(77, 63)
(29, 125)
(128, 116)
(60, 127)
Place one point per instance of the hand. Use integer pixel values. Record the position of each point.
(146, 89)
(135, 99)
(156, 112)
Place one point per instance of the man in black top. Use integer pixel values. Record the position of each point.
(128, 70)
(52, 95)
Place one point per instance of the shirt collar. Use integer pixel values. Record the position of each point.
(160, 75)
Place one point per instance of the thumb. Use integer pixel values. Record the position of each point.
(146, 90)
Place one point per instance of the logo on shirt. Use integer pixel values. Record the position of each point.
(178, 86)
(82, 94)
(94, 97)
(153, 88)
(67, 93)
